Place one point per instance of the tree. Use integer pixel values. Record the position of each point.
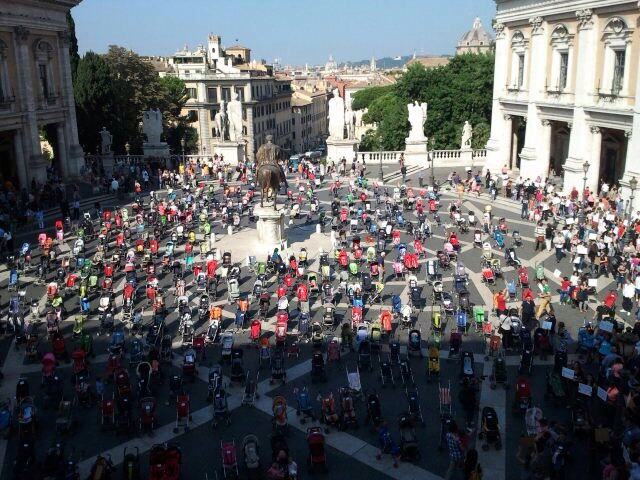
(95, 100)
(363, 98)
(176, 125)
(74, 57)
(458, 92)
(137, 88)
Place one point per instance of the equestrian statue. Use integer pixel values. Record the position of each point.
(268, 172)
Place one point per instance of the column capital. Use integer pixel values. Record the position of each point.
(545, 122)
(584, 18)
(536, 25)
(21, 33)
(628, 133)
(569, 125)
(498, 27)
(595, 129)
(507, 116)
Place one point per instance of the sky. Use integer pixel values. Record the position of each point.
(295, 32)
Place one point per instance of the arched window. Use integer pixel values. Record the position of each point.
(43, 53)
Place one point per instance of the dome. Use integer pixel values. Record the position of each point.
(476, 36)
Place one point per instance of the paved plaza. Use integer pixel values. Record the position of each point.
(347, 451)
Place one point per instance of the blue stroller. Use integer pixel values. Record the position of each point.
(402, 249)
(511, 289)
(399, 220)
(13, 280)
(396, 303)
(84, 305)
(116, 346)
(304, 408)
(387, 444)
(498, 239)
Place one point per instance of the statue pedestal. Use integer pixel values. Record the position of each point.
(107, 163)
(466, 157)
(337, 149)
(415, 152)
(270, 228)
(155, 150)
(233, 152)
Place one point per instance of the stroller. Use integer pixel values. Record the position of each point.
(280, 419)
(374, 409)
(220, 408)
(348, 416)
(522, 400)
(317, 455)
(229, 459)
(490, 431)
(304, 407)
(251, 450)
(408, 440)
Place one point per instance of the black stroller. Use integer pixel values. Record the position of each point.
(490, 432)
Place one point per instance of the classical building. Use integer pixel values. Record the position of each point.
(36, 91)
(566, 92)
(476, 40)
(214, 73)
(309, 119)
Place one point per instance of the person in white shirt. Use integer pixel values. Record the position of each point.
(114, 186)
(628, 294)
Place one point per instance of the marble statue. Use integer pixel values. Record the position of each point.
(349, 120)
(221, 122)
(105, 142)
(234, 114)
(336, 116)
(417, 119)
(152, 126)
(467, 134)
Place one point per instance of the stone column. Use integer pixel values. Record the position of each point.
(250, 134)
(37, 166)
(21, 164)
(593, 180)
(530, 166)
(75, 154)
(544, 148)
(498, 146)
(580, 138)
(632, 165)
(63, 158)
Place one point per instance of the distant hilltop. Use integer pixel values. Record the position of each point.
(383, 63)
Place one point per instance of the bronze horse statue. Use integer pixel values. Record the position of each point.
(269, 174)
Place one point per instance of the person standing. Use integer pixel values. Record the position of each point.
(456, 452)
(628, 295)
(539, 234)
(558, 243)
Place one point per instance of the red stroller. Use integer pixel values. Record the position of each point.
(147, 419)
(107, 412)
(114, 363)
(48, 366)
(418, 248)
(523, 395)
(410, 261)
(255, 332)
(58, 345)
(189, 364)
(317, 455)
(164, 462)
(356, 316)
(183, 413)
(79, 361)
(229, 459)
(123, 385)
(281, 332)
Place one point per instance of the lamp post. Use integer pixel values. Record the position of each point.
(127, 147)
(633, 184)
(585, 169)
(433, 146)
(380, 166)
(182, 142)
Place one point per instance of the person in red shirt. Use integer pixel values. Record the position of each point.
(499, 302)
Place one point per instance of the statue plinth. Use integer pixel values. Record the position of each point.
(271, 227)
(107, 162)
(416, 152)
(155, 149)
(336, 149)
(233, 152)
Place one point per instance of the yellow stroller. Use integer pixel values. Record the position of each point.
(433, 362)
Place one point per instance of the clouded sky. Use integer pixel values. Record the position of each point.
(296, 32)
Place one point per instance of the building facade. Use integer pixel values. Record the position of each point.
(475, 41)
(213, 74)
(309, 112)
(36, 91)
(566, 93)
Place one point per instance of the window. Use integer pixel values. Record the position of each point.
(240, 93)
(520, 80)
(212, 95)
(618, 72)
(192, 93)
(293, 121)
(564, 70)
(44, 81)
(193, 115)
(226, 94)
(212, 113)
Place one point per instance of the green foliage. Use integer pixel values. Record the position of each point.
(74, 57)
(363, 98)
(459, 91)
(95, 99)
(113, 90)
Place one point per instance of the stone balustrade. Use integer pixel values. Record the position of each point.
(442, 157)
